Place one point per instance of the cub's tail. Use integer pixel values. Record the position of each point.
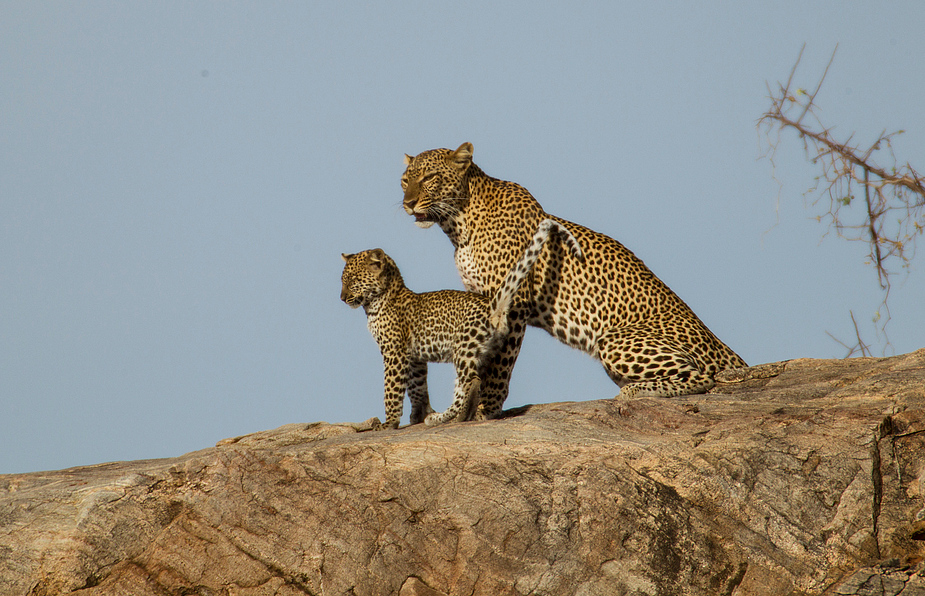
(501, 301)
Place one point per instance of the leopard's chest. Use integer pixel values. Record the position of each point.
(375, 326)
(469, 270)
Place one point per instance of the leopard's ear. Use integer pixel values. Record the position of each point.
(462, 157)
(408, 159)
(346, 257)
(375, 262)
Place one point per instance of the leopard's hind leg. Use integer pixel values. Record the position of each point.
(645, 363)
(473, 399)
(417, 392)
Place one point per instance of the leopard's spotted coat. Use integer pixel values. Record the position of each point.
(444, 326)
(609, 304)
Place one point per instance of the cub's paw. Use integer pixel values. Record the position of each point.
(387, 425)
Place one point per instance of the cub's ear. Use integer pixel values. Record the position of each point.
(408, 159)
(462, 157)
(346, 257)
(375, 262)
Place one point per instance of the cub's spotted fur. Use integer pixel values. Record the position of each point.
(444, 326)
(609, 304)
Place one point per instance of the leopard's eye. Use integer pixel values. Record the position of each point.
(428, 177)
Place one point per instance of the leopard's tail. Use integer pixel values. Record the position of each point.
(501, 301)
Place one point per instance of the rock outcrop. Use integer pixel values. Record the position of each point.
(804, 477)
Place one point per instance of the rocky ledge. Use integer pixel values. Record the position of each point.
(803, 477)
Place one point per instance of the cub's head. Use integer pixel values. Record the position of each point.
(434, 184)
(367, 275)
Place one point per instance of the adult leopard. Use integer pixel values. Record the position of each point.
(609, 304)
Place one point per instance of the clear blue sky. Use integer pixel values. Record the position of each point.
(178, 180)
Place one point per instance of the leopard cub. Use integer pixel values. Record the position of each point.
(444, 326)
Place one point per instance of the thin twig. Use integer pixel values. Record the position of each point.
(843, 164)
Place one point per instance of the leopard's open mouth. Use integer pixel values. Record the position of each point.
(423, 220)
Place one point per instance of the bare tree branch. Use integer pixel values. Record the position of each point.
(893, 214)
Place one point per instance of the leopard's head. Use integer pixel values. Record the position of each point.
(367, 275)
(434, 184)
